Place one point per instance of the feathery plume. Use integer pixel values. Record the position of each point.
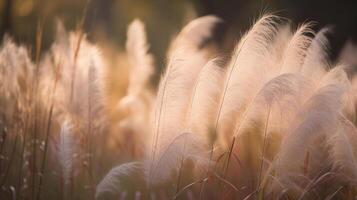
(343, 150)
(175, 90)
(127, 177)
(296, 50)
(248, 69)
(16, 68)
(205, 98)
(316, 63)
(317, 119)
(138, 102)
(197, 33)
(140, 60)
(66, 150)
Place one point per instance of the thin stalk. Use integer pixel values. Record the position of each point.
(35, 88)
(331, 196)
(229, 157)
(158, 124)
(188, 186)
(73, 76)
(39, 43)
(264, 147)
(90, 135)
(306, 163)
(202, 189)
(76, 52)
(226, 182)
(181, 166)
(48, 131)
(42, 171)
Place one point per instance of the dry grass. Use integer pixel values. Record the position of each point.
(276, 120)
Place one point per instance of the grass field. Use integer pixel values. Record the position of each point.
(274, 119)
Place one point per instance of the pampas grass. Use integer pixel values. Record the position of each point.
(173, 101)
(274, 120)
(138, 102)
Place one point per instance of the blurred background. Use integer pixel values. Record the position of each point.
(106, 20)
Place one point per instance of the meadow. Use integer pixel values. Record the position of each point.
(273, 119)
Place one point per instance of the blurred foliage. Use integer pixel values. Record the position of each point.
(104, 19)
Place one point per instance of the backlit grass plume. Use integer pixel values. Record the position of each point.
(274, 119)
